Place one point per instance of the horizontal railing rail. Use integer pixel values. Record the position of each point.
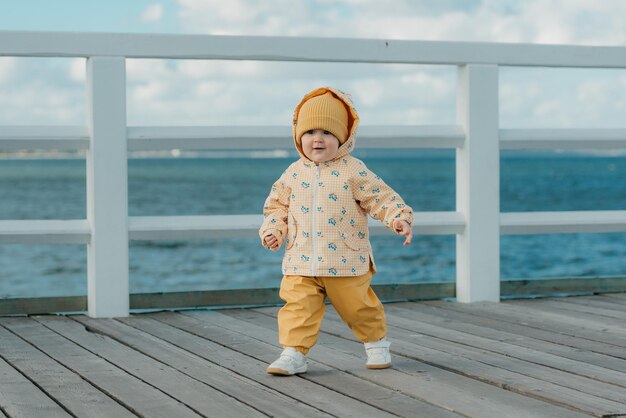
(565, 139)
(269, 48)
(142, 228)
(476, 138)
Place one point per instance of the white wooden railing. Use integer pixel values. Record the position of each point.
(477, 221)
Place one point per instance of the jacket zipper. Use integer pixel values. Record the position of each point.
(314, 223)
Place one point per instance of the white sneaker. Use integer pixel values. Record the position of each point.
(289, 363)
(378, 356)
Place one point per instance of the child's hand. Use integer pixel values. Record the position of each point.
(271, 241)
(403, 228)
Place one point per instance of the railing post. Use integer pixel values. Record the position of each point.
(478, 185)
(107, 188)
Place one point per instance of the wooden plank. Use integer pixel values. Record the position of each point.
(559, 333)
(20, 398)
(211, 372)
(570, 307)
(562, 138)
(74, 231)
(579, 375)
(502, 332)
(414, 291)
(477, 172)
(608, 329)
(582, 328)
(135, 394)
(246, 226)
(434, 385)
(196, 395)
(192, 227)
(186, 333)
(329, 389)
(31, 306)
(464, 334)
(559, 222)
(197, 299)
(352, 365)
(498, 370)
(562, 286)
(272, 48)
(65, 386)
(596, 301)
(617, 297)
(106, 164)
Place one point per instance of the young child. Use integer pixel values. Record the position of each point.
(318, 209)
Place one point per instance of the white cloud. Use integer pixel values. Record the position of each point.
(368, 92)
(149, 91)
(152, 13)
(554, 98)
(211, 69)
(40, 91)
(138, 69)
(437, 85)
(8, 67)
(197, 92)
(533, 21)
(233, 16)
(594, 91)
(41, 103)
(78, 70)
(221, 93)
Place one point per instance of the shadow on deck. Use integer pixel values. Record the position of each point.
(555, 357)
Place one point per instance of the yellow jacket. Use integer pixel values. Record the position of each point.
(320, 211)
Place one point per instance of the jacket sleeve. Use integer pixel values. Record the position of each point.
(378, 199)
(275, 211)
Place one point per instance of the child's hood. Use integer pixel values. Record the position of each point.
(353, 120)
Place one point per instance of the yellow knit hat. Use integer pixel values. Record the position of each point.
(323, 112)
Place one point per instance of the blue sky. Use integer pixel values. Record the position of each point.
(51, 91)
(87, 16)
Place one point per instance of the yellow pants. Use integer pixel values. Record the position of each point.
(299, 321)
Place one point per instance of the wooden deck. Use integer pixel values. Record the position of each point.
(562, 357)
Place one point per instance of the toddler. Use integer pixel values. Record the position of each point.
(318, 208)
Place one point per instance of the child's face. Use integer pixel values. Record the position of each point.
(319, 145)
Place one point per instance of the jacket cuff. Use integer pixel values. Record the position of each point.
(404, 216)
(276, 232)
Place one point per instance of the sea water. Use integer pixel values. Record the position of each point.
(56, 189)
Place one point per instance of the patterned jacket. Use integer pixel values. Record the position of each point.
(320, 211)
